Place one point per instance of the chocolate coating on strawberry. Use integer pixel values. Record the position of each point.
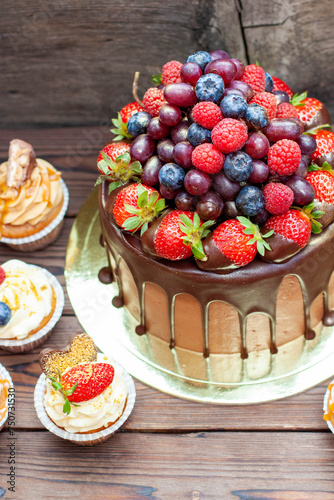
(310, 111)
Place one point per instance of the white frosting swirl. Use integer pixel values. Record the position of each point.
(28, 292)
(90, 415)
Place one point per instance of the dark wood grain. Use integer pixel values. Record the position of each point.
(202, 465)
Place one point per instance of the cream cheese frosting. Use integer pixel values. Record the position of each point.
(4, 386)
(34, 200)
(28, 293)
(93, 414)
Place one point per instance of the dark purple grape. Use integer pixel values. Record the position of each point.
(190, 73)
(224, 68)
(283, 128)
(302, 169)
(182, 154)
(168, 194)
(307, 144)
(150, 173)
(219, 54)
(229, 91)
(260, 172)
(185, 201)
(170, 115)
(165, 150)
(190, 116)
(302, 190)
(226, 188)
(142, 148)
(244, 88)
(179, 132)
(197, 182)
(180, 94)
(281, 96)
(257, 145)
(261, 218)
(210, 206)
(230, 210)
(240, 67)
(157, 130)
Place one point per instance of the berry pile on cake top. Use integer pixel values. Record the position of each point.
(222, 145)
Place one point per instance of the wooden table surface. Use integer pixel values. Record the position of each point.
(169, 448)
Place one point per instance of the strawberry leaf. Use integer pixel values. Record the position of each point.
(114, 185)
(297, 98)
(69, 392)
(198, 251)
(186, 221)
(156, 79)
(67, 407)
(143, 228)
(132, 223)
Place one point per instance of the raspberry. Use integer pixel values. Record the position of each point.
(153, 100)
(284, 157)
(208, 158)
(286, 110)
(255, 77)
(280, 85)
(2, 275)
(171, 72)
(207, 114)
(267, 101)
(278, 198)
(129, 110)
(229, 135)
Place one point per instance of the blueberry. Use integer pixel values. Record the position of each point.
(238, 166)
(201, 58)
(197, 135)
(269, 83)
(233, 106)
(250, 201)
(137, 123)
(256, 115)
(209, 87)
(171, 176)
(5, 314)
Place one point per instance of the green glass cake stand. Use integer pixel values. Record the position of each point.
(153, 363)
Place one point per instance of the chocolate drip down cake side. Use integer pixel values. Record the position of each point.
(216, 206)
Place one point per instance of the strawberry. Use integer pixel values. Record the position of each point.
(2, 275)
(179, 235)
(120, 123)
(310, 111)
(118, 171)
(233, 244)
(136, 205)
(83, 382)
(255, 76)
(323, 184)
(280, 85)
(325, 146)
(113, 150)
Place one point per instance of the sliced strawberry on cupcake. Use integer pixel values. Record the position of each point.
(136, 205)
(233, 244)
(82, 383)
(176, 235)
(117, 170)
(322, 180)
(291, 232)
(310, 111)
(120, 123)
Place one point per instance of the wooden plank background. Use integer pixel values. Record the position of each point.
(71, 62)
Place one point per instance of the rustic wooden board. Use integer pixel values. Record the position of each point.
(244, 466)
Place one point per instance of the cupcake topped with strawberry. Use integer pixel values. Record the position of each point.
(220, 162)
(85, 393)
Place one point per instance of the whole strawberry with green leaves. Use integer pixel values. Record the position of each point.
(118, 171)
(120, 123)
(82, 383)
(136, 205)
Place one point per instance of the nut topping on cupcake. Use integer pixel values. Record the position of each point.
(21, 162)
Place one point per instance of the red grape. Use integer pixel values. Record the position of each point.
(142, 148)
(257, 145)
(190, 73)
(182, 154)
(157, 130)
(197, 182)
(170, 115)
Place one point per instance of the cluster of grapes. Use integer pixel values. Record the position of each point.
(170, 139)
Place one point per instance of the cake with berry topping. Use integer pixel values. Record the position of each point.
(217, 219)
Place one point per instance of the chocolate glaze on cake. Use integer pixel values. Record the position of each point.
(253, 288)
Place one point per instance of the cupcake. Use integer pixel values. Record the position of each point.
(83, 396)
(328, 407)
(6, 387)
(31, 303)
(33, 199)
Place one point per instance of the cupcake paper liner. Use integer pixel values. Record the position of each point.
(45, 237)
(5, 375)
(83, 439)
(325, 409)
(38, 338)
